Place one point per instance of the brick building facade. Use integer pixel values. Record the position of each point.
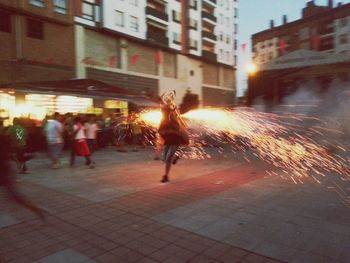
(37, 41)
(315, 47)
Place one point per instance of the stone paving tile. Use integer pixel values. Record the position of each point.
(64, 256)
(130, 217)
(7, 220)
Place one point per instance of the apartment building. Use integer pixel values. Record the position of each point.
(145, 46)
(314, 47)
(36, 40)
(151, 46)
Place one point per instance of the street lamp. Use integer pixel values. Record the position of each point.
(251, 69)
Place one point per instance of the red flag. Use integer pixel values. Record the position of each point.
(112, 61)
(316, 42)
(282, 46)
(243, 46)
(158, 57)
(134, 59)
(86, 60)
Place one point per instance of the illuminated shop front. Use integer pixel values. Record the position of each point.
(35, 100)
(37, 106)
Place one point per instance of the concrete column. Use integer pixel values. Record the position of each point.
(160, 66)
(124, 54)
(19, 37)
(80, 69)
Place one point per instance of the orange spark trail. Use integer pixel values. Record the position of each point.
(282, 141)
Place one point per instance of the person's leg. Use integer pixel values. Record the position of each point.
(15, 195)
(91, 145)
(72, 153)
(168, 158)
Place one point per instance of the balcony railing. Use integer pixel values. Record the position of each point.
(208, 16)
(160, 39)
(156, 13)
(212, 1)
(209, 55)
(206, 34)
(326, 30)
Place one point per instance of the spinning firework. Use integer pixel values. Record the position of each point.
(280, 140)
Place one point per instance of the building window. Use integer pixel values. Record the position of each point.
(176, 16)
(134, 24)
(236, 12)
(193, 4)
(134, 2)
(227, 56)
(119, 18)
(221, 36)
(221, 54)
(235, 30)
(5, 22)
(235, 45)
(228, 39)
(38, 3)
(176, 38)
(221, 18)
(193, 24)
(343, 22)
(88, 10)
(60, 6)
(235, 60)
(343, 39)
(35, 29)
(227, 21)
(193, 44)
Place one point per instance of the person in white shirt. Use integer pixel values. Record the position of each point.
(91, 128)
(54, 138)
(80, 145)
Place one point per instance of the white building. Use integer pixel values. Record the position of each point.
(157, 45)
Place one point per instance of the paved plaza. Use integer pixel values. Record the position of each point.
(223, 209)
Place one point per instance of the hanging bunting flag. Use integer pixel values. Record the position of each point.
(243, 46)
(159, 57)
(316, 42)
(112, 62)
(282, 46)
(134, 59)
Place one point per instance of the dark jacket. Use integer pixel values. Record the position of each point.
(170, 128)
(5, 157)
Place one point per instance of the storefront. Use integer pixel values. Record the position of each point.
(36, 100)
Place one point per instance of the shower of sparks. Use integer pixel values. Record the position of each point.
(282, 140)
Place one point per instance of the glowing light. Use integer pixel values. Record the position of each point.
(151, 118)
(270, 136)
(251, 68)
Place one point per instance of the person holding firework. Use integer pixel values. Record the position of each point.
(173, 131)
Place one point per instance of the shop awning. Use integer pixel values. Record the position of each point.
(80, 87)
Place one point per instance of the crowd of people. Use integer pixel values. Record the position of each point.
(80, 135)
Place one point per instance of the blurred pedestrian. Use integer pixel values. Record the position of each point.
(91, 128)
(7, 180)
(173, 130)
(80, 146)
(54, 138)
(159, 143)
(18, 135)
(120, 130)
(135, 131)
